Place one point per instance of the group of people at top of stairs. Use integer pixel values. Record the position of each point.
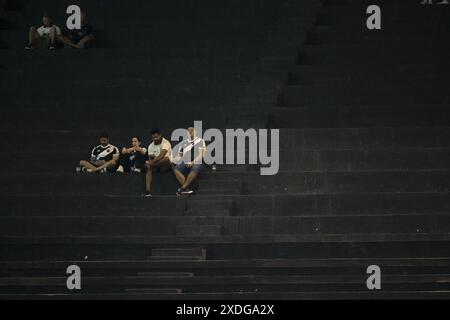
(186, 163)
(50, 36)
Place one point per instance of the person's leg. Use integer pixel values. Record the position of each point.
(192, 176)
(149, 175)
(66, 41)
(178, 171)
(33, 35)
(107, 165)
(87, 165)
(148, 179)
(124, 163)
(52, 36)
(84, 42)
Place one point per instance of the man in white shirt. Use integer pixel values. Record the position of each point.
(159, 157)
(44, 36)
(189, 162)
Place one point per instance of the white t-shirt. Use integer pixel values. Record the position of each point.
(155, 149)
(43, 30)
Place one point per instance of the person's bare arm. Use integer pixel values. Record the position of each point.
(160, 157)
(140, 150)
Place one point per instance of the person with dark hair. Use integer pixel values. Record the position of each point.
(45, 36)
(189, 162)
(79, 38)
(132, 159)
(159, 158)
(104, 157)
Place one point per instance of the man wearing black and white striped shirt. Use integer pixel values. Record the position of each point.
(104, 157)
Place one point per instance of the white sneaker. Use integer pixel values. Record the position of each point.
(103, 170)
(137, 170)
(120, 169)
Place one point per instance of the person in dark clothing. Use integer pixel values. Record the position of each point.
(79, 38)
(104, 157)
(133, 159)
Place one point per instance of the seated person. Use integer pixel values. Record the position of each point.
(45, 36)
(185, 167)
(78, 38)
(132, 159)
(159, 156)
(103, 157)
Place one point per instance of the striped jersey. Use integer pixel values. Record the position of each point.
(105, 153)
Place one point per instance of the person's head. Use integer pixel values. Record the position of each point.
(136, 141)
(104, 138)
(156, 135)
(46, 20)
(191, 131)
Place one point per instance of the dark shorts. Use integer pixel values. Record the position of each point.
(198, 168)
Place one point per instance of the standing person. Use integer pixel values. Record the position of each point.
(132, 159)
(190, 162)
(159, 157)
(45, 36)
(104, 157)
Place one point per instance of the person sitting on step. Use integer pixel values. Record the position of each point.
(44, 37)
(79, 38)
(159, 158)
(132, 159)
(192, 148)
(104, 157)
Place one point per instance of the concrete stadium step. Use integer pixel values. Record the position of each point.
(313, 95)
(215, 226)
(327, 72)
(399, 138)
(299, 295)
(178, 253)
(351, 116)
(85, 119)
(416, 265)
(153, 291)
(107, 184)
(317, 39)
(331, 160)
(241, 283)
(365, 160)
(391, 266)
(240, 183)
(372, 55)
(357, 76)
(316, 246)
(391, 203)
(198, 230)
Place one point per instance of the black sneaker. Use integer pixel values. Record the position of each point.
(147, 194)
(187, 192)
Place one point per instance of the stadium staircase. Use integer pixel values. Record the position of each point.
(364, 175)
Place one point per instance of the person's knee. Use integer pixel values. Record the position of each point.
(82, 162)
(33, 28)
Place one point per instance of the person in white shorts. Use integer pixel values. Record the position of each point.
(45, 36)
